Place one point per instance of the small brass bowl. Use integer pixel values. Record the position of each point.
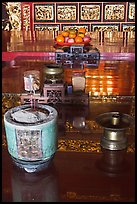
(53, 69)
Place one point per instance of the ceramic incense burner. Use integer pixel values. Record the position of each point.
(31, 135)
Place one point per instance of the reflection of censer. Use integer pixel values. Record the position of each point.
(36, 187)
(31, 136)
(115, 125)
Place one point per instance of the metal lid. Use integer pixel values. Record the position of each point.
(53, 69)
(114, 120)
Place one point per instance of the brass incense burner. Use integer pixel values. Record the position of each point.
(115, 125)
(53, 73)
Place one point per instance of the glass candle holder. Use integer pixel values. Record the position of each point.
(32, 80)
(78, 81)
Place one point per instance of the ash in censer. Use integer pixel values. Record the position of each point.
(30, 115)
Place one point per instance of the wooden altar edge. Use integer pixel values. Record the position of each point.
(117, 56)
(72, 145)
(9, 56)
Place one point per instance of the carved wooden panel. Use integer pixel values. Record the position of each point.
(114, 12)
(44, 13)
(90, 12)
(66, 12)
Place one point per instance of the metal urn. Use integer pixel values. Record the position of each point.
(115, 125)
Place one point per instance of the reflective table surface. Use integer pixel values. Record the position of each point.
(81, 170)
(73, 177)
(14, 41)
(41, 43)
